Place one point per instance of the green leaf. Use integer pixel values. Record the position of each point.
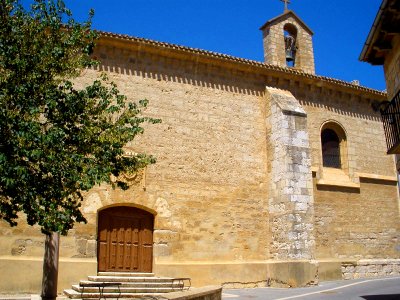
(56, 140)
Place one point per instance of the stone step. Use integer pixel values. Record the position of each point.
(176, 284)
(77, 295)
(126, 290)
(125, 274)
(128, 279)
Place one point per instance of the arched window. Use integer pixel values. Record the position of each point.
(330, 149)
(334, 146)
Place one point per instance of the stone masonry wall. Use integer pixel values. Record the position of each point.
(209, 183)
(392, 69)
(274, 45)
(371, 268)
(291, 204)
(208, 188)
(357, 223)
(358, 217)
(366, 145)
(211, 190)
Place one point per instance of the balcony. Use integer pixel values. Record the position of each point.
(391, 123)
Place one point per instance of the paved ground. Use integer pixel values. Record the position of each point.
(26, 297)
(367, 289)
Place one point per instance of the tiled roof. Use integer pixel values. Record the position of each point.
(244, 61)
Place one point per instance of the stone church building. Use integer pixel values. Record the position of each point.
(267, 174)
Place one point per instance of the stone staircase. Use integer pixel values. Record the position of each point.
(133, 285)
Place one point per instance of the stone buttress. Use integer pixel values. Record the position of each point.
(291, 203)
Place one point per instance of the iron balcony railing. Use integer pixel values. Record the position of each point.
(391, 124)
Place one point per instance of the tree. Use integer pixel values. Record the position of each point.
(57, 141)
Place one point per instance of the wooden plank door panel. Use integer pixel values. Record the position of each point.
(128, 247)
(146, 244)
(134, 265)
(112, 248)
(120, 246)
(102, 243)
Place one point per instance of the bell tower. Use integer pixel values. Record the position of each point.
(288, 42)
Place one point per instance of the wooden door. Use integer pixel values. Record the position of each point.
(125, 240)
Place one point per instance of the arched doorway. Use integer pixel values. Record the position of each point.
(125, 240)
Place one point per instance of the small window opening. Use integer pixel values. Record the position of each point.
(290, 36)
(330, 149)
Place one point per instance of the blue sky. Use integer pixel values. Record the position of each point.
(232, 27)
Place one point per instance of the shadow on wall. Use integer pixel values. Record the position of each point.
(150, 66)
(230, 79)
(343, 189)
(378, 181)
(381, 297)
(341, 103)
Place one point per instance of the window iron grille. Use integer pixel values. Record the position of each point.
(330, 149)
(390, 115)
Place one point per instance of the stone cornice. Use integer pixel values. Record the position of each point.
(232, 62)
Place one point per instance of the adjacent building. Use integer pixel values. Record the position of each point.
(382, 47)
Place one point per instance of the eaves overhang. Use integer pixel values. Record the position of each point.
(379, 41)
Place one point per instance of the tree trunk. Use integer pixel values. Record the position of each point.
(50, 267)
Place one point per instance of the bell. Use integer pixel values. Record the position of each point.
(289, 55)
(290, 48)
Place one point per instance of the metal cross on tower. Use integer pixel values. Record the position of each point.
(286, 4)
